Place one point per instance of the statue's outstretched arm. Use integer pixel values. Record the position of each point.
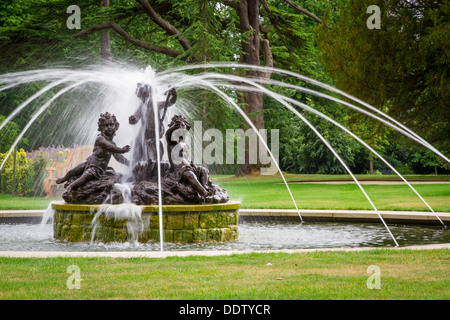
(111, 146)
(170, 101)
(136, 116)
(121, 159)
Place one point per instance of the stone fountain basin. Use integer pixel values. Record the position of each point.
(181, 223)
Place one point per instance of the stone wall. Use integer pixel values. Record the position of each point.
(218, 224)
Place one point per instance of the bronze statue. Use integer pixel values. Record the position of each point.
(95, 166)
(183, 169)
(183, 182)
(145, 147)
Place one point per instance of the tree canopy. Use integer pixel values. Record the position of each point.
(400, 69)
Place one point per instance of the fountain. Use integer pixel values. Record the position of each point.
(162, 196)
(194, 208)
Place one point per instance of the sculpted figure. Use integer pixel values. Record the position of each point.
(181, 169)
(145, 147)
(104, 147)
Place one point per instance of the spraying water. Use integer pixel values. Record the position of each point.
(47, 217)
(116, 94)
(127, 211)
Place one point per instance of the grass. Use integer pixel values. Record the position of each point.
(332, 275)
(258, 191)
(270, 192)
(405, 274)
(291, 177)
(8, 202)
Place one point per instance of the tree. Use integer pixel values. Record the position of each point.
(402, 68)
(167, 33)
(105, 39)
(425, 160)
(255, 47)
(294, 48)
(8, 135)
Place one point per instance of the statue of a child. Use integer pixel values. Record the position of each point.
(145, 146)
(104, 147)
(180, 167)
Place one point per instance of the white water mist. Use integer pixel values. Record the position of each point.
(113, 90)
(48, 215)
(127, 211)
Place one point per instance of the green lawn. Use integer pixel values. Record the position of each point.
(333, 275)
(270, 192)
(8, 202)
(291, 177)
(404, 274)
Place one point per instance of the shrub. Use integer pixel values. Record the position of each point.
(29, 174)
(9, 177)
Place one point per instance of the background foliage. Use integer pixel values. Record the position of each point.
(400, 69)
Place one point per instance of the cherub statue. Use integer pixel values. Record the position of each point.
(95, 166)
(181, 169)
(145, 147)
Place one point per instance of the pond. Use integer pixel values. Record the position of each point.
(252, 236)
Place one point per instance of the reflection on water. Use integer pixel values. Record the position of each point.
(252, 236)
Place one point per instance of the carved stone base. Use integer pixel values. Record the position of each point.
(181, 223)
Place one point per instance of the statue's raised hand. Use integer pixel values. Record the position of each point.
(172, 96)
(132, 120)
(173, 92)
(126, 149)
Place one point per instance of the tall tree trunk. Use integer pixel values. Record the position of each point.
(204, 96)
(252, 102)
(371, 162)
(204, 57)
(105, 40)
(249, 23)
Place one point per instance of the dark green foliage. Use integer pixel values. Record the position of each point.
(402, 68)
(9, 134)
